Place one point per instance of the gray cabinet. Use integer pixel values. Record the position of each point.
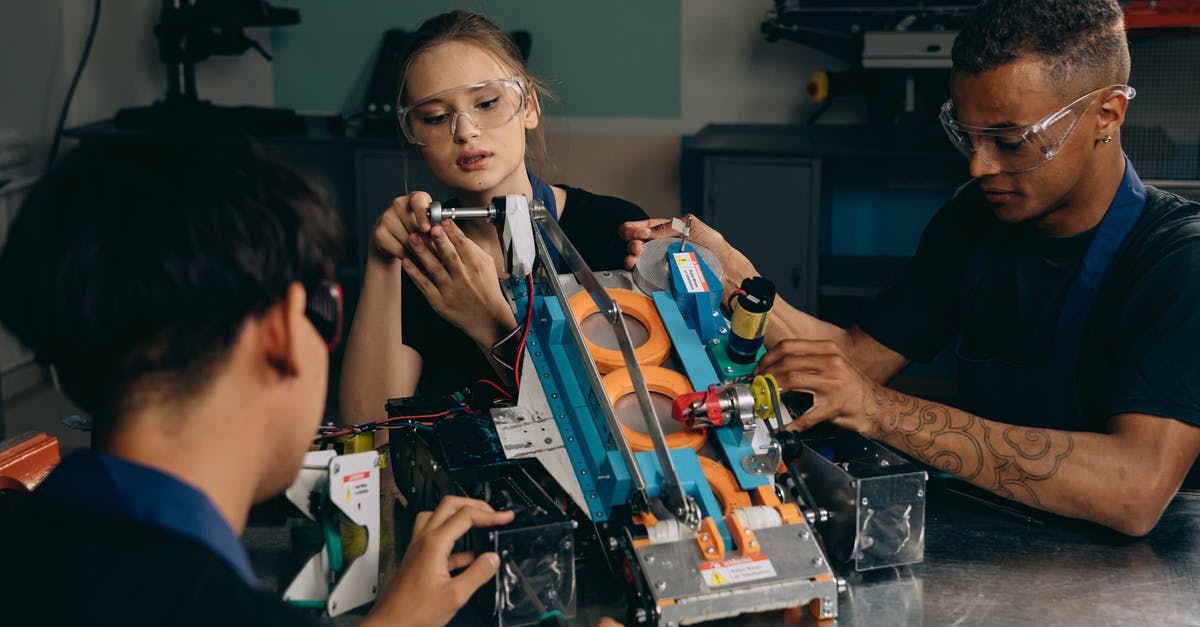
(769, 208)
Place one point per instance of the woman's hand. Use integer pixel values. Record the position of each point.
(460, 281)
(406, 216)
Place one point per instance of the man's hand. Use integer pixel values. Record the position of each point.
(842, 393)
(460, 281)
(423, 592)
(637, 233)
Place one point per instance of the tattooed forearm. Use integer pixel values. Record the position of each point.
(1008, 460)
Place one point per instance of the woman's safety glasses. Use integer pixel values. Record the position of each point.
(488, 104)
(1022, 148)
(324, 310)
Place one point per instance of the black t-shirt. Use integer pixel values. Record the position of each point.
(450, 359)
(66, 565)
(1139, 346)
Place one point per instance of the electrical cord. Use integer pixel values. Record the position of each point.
(62, 117)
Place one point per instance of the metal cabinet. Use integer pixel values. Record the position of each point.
(769, 208)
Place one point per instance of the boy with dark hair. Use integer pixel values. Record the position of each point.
(182, 289)
(1066, 286)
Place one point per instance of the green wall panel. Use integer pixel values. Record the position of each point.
(612, 58)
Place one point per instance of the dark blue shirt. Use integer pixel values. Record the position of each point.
(101, 482)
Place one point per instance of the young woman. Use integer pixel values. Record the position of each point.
(431, 307)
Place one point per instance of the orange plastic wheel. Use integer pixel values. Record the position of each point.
(637, 306)
(661, 381)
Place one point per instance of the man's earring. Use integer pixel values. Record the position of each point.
(1107, 139)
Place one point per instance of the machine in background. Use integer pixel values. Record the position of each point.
(719, 517)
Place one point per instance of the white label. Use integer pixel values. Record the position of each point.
(738, 570)
(689, 268)
(357, 485)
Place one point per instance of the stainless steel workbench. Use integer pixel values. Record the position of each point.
(981, 568)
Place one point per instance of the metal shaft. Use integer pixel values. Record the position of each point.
(437, 213)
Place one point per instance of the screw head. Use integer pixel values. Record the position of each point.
(864, 501)
(817, 561)
(661, 585)
(337, 468)
(704, 537)
(710, 550)
(920, 494)
(753, 544)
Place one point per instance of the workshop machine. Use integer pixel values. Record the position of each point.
(640, 438)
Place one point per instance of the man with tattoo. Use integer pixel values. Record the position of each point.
(1066, 286)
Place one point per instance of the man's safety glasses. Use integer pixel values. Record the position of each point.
(1017, 149)
(324, 310)
(489, 104)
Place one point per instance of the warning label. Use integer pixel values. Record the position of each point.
(357, 485)
(738, 570)
(689, 268)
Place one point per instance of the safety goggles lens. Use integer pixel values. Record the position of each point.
(324, 310)
(1022, 148)
(487, 105)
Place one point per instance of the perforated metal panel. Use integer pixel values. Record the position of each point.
(1162, 129)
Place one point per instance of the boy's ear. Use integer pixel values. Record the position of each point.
(281, 325)
(1112, 113)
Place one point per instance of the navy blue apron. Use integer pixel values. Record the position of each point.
(544, 193)
(1046, 396)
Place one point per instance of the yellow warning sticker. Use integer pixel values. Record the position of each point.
(689, 269)
(737, 570)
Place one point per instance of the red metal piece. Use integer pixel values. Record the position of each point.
(26, 459)
(1162, 14)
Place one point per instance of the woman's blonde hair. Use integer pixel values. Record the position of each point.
(473, 28)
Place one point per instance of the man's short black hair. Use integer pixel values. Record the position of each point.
(1082, 42)
(132, 266)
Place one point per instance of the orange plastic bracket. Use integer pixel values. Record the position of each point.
(712, 546)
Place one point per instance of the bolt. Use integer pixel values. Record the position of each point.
(715, 341)
(722, 330)
(704, 537)
(554, 395)
(841, 584)
(566, 545)
(753, 544)
(649, 559)
(434, 466)
(545, 375)
(920, 494)
(817, 561)
(549, 440)
(378, 461)
(337, 468)
(504, 553)
(865, 501)
(661, 585)
(583, 472)
(491, 536)
(640, 615)
(612, 544)
(716, 313)
(592, 496)
(728, 368)
(710, 550)
(571, 438)
(804, 534)
(537, 353)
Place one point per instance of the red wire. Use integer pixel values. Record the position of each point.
(524, 335)
(418, 417)
(496, 387)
